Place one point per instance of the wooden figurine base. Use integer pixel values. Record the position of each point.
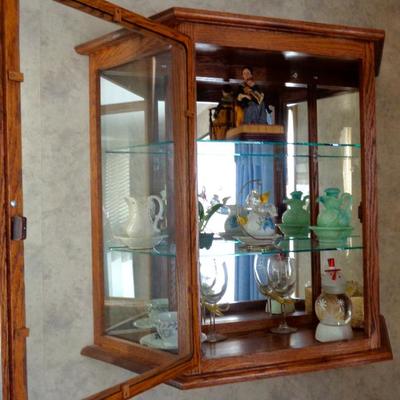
(274, 133)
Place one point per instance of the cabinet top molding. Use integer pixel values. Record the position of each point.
(176, 15)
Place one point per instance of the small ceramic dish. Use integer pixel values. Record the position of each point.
(153, 340)
(332, 235)
(255, 241)
(294, 230)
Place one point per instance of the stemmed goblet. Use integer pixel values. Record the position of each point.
(213, 284)
(275, 276)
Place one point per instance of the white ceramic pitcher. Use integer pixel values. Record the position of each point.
(141, 222)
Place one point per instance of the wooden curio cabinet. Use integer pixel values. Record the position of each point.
(158, 150)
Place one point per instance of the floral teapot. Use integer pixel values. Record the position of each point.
(143, 219)
(259, 220)
(258, 225)
(337, 212)
(296, 214)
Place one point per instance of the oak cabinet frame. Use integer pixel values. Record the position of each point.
(360, 45)
(193, 368)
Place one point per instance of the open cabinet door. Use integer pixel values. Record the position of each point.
(143, 198)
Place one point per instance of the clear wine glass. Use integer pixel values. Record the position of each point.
(213, 283)
(276, 278)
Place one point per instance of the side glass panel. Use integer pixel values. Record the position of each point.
(138, 191)
(339, 123)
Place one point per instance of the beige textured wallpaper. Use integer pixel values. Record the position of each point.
(56, 187)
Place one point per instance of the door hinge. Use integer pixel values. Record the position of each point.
(117, 17)
(22, 332)
(189, 114)
(18, 228)
(126, 393)
(15, 76)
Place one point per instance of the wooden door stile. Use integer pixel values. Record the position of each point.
(96, 202)
(369, 196)
(191, 186)
(13, 330)
(184, 217)
(314, 185)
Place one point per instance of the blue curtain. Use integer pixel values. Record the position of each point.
(251, 166)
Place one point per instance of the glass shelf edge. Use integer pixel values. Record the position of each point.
(133, 148)
(305, 144)
(264, 250)
(279, 251)
(150, 252)
(277, 155)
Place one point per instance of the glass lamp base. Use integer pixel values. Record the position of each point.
(283, 329)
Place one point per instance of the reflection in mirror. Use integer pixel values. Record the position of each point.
(266, 177)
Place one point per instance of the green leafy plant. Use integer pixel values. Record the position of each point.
(206, 214)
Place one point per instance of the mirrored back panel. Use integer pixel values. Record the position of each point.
(279, 173)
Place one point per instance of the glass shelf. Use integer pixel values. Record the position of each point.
(221, 247)
(264, 149)
(258, 142)
(161, 148)
(227, 148)
(281, 245)
(162, 250)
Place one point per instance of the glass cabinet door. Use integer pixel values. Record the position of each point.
(140, 132)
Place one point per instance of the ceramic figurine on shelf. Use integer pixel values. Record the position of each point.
(142, 230)
(251, 100)
(333, 222)
(222, 118)
(231, 225)
(333, 307)
(337, 210)
(297, 214)
(296, 220)
(141, 221)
